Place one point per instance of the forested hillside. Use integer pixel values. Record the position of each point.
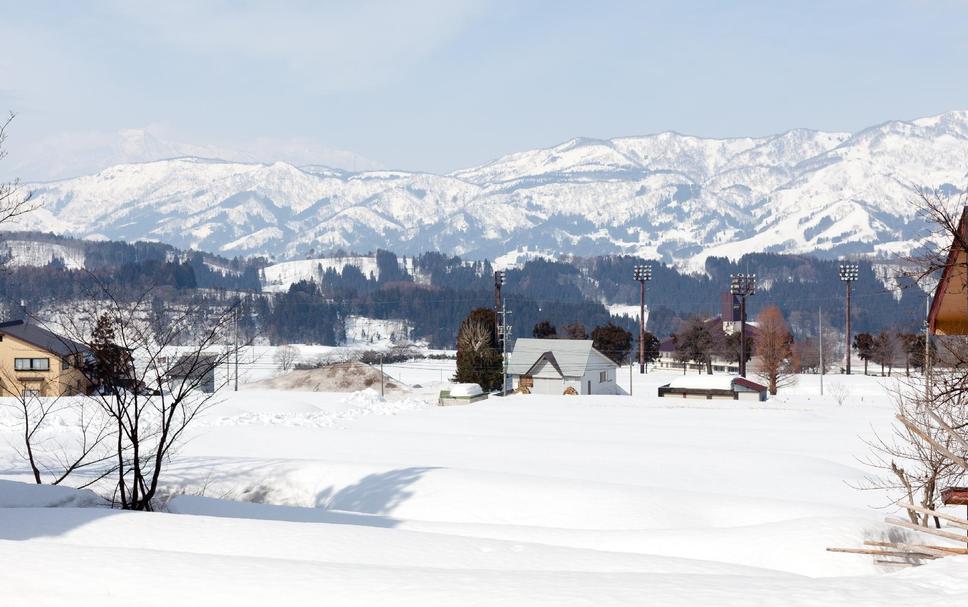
(433, 292)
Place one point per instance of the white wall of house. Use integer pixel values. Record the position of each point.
(546, 379)
(602, 381)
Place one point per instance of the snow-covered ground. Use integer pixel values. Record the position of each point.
(308, 498)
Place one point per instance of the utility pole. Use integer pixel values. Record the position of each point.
(849, 272)
(820, 324)
(500, 277)
(504, 331)
(642, 273)
(236, 319)
(630, 376)
(742, 285)
(503, 328)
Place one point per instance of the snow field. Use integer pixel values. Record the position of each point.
(298, 497)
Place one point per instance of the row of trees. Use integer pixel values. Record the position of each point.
(888, 349)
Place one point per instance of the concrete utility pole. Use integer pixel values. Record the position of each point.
(642, 274)
(504, 330)
(742, 285)
(236, 319)
(849, 272)
(820, 324)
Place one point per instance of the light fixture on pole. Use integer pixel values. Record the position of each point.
(742, 285)
(849, 272)
(500, 277)
(642, 273)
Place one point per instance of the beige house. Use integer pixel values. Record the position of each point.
(35, 361)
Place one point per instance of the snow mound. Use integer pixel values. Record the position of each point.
(14, 494)
(350, 376)
(466, 390)
(333, 411)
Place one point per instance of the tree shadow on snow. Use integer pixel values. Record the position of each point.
(378, 493)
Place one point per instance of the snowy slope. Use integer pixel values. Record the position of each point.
(670, 196)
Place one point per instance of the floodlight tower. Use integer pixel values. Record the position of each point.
(642, 273)
(500, 277)
(849, 272)
(742, 285)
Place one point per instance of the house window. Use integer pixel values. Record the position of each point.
(65, 365)
(31, 364)
(30, 393)
(602, 377)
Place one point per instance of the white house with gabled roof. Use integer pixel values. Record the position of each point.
(551, 366)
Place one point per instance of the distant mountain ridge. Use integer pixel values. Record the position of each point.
(668, 196)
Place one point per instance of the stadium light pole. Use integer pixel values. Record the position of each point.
(642, 274)
(742, 285)
(849, 272)
(500, 277)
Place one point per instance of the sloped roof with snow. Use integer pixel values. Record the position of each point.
(573, 356)
(712, 382)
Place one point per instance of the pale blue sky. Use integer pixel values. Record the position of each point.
(439, 85)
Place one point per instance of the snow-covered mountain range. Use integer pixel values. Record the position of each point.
(667, 196)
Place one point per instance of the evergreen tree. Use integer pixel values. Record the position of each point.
(864, 344)
(612, 341)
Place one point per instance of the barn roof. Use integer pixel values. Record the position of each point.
(573, 356)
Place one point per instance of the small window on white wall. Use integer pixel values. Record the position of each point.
(602, 377)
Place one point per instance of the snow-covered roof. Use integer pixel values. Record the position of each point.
(465, 390)
(574, 356)
(712, 382)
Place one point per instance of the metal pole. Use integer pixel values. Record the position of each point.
(820, 323)
(630, 378)
(236, 318)
(381, 376)
(847, 349)
(641, 326)
(742, 335)
(504, 348)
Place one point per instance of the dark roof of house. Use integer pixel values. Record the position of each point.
(41, 338)
(550, 357)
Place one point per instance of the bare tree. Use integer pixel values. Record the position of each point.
(911, 467)
(773, 344)
(886, 349)
(285, 357)
(13, 202)
(153, 379)
(60, 435)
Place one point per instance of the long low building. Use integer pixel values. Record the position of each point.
(709, 387)
(560, 366)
